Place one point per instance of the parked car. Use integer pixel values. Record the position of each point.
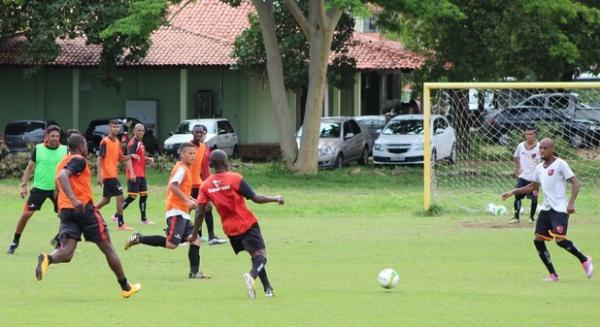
(401, 141)
(21, 135)
(341, 140)
(220, 134)
(578, 132)
(374, 124)
(98, 129)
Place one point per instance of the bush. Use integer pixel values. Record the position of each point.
(13, 165)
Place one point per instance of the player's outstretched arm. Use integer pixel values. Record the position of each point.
(200, 212)
(63, 179)
(531, 187)
(260, 199)
(99, 170)
(25, 179)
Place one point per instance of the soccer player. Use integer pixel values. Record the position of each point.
(553, 174)
(78, 216)
(178, 206)
(109, 156)
(42, 163)
(201, 171)
(136, 172)
(227, 192)
(526, 157)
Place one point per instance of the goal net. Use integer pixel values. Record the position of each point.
(472, 160)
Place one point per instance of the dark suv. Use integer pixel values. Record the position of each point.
(22, 135)
(578, 132)
(98, 129)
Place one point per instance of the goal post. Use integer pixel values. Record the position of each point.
(488, 121)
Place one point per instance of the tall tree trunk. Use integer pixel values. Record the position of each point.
(320, 44)
(285, 130)
(461, 119)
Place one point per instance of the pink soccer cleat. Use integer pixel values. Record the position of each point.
(588, 267)
(551, 278)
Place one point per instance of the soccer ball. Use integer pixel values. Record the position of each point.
(496, 210)
(388, 278)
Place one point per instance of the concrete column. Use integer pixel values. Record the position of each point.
(75, 98)
(337, 101)
(357, 96)
(382, 92)
(183, 93)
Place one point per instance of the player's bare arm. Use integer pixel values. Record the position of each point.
(174, 187)
(63, 179)
(517, 166)
(532, 187)
(198, 220)
(25, 179)
(129, 168)
(98, 170)
(128, 157)
(259, 198)
(575, 186)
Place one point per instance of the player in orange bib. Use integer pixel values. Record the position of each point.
(79, 216)
(178, 206)
(228, 192)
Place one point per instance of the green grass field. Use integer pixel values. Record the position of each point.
(325, 248)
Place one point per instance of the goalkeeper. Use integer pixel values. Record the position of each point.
(526, 157)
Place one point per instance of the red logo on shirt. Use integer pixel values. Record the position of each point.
(550, 172)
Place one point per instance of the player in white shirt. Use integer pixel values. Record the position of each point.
(526, 157)
(553, 174)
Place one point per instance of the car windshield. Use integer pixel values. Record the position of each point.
(186, 126)
(328, 130)
(24, 128)
(370, 122)
(404, 127)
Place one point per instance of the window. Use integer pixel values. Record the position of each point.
(347, 129)
(439, 123)
(354, 127)
(225, 127)
(537, 101)
(24, 128)
(558, 102)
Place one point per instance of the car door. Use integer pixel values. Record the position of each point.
(226, 135)
(446, 140)
(347, 139)
(356, 140)
(437, 140)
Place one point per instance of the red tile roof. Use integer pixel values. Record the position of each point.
(202, 34)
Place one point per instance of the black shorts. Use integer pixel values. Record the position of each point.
(37, 198)
(195, 192)
(250, 241)
(523, 182)
(89, 223)
(552, 224)
(178, 229)
(112, 187)
(139, 186)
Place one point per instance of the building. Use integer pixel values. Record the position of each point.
(188, 73)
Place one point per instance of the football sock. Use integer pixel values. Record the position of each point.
(153, 240)
(533, 208)
(128, 201)
(120, 221)
(143, 200)
(517, 206)
(194, 256)
(569, 246)
(17, 238)
(544, 255)
(124, 284)
(258, 264)
(264, 279)
(210, 224)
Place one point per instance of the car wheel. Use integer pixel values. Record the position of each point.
(364, 157)
(339, 161)
(504, 139)
(576, 141)
(452, 158)
(236, 152)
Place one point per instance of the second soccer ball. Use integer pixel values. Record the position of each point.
(388, 278)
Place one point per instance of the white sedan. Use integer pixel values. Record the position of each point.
(401, 141)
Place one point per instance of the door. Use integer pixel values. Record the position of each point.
(354, 143)
(227, 137)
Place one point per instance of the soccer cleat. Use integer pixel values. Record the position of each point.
(132, 240)
(42, 266)
(588, 267)
(124, 227)
(514, 221)
(551, 278)
(12, 247)
(133, 288)
(269, 292)
(531, 220)
(198, 275)
(148, 222)
(216, 241)
(250, 286)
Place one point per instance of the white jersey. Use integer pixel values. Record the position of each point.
(553, 182)
(528, 160)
